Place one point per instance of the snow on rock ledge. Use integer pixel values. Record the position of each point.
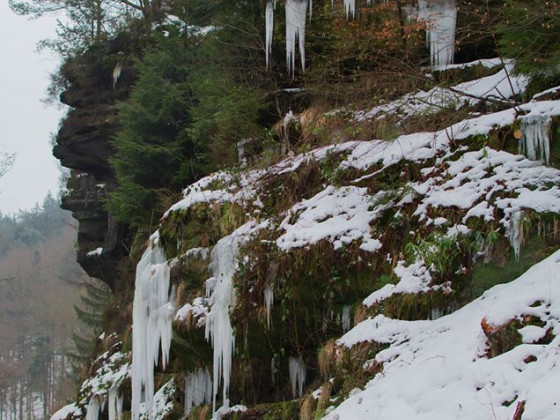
(438, 370)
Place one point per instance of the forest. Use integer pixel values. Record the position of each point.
(298, 207)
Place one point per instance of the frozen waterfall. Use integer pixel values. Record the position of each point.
(218, 326)
(152, 315)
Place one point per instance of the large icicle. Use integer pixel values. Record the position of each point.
(268, 301)
(218, 326)
(350, 8)
(297, 375)
(152, 314)
(296, 11)
(198, 389)
(115, 404)
(441, 18)
(515, 233)
(269, 24)
(346, 319)
(535, 137)
(93, 408)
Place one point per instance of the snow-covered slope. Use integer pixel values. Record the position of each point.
(441, 369)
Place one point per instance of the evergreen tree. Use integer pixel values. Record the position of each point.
(154, 154)
(530, 34)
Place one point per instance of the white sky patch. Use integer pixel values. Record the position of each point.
(26, 122)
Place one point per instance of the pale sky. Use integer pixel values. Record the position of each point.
(25, 122)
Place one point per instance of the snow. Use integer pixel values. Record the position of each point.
(297, 375)
(67, 410)
(153, 312)
(95, 252)
(498, 87)
(198, 309)
(198, 389)
(296, 12)
(162, 403)
(414, 278)
(439, 369)
(341, 215)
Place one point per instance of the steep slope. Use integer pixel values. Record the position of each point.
(255, 270)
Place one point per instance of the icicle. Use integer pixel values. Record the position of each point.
(218, 326)
(515, 233)
(119, 406)
(112, 404)
(268, 301)
(436, 313)
(296, 11)
(93, 409)
(535, 137)
(116, 74)
(350, 8)
(198, 389)
(152, 315)
(441, 18)
(269, 24)
(345, 318)
(297, 375)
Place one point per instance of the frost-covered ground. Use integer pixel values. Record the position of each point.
(440, 369)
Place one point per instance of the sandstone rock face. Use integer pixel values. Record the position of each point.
(83, 144)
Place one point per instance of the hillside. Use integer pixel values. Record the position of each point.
(390, 256)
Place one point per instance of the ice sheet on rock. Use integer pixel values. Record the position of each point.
(438, 370)
(341, 215)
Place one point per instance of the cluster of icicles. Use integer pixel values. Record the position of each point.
(153, 313)
(95, 406)
(440, 15)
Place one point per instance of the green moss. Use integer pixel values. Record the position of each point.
(487, 276)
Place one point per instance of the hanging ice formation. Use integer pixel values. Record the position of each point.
(152, 314)
(515, 233)
(268, 301)
(115, 404)
(269, 23)
(350, 8)
(198, 389)
(441, 18)
(93, 408)
(297, 375)
(219, 290)
(535, 137)
(346, 321)
(296, 11)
